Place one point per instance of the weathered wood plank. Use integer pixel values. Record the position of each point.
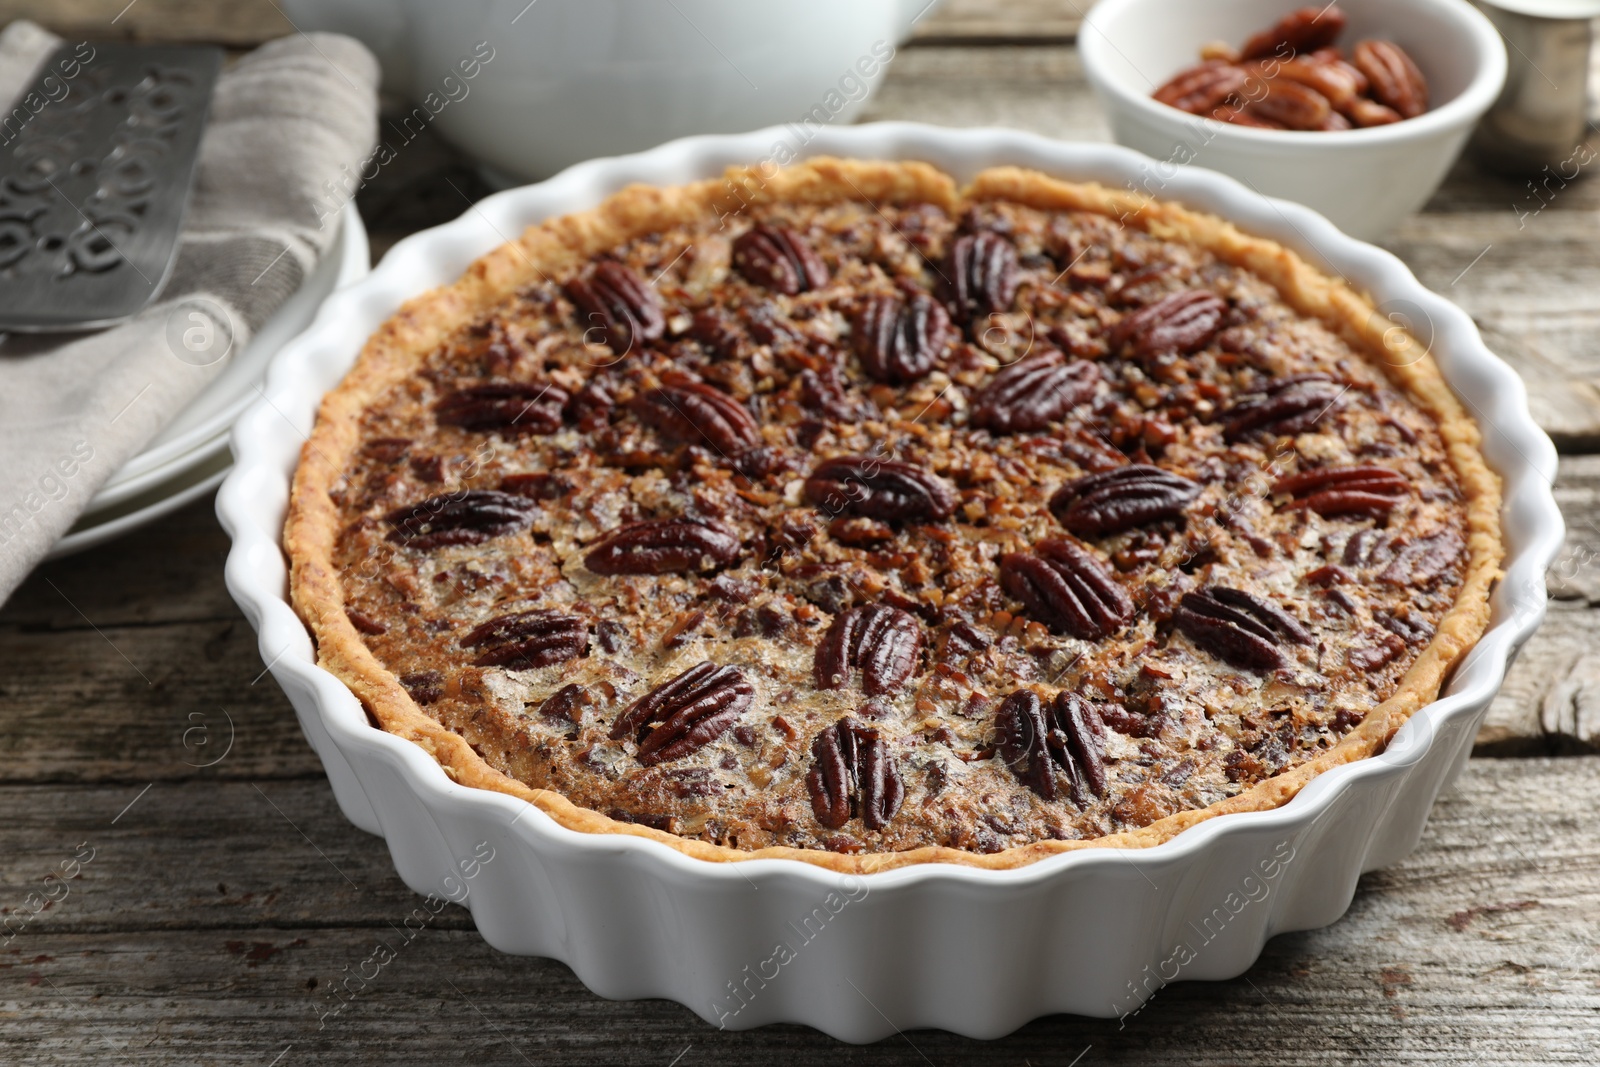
(144, 704)
(969, 21)
(1039, 89)
(148, 577)
(1481, 947)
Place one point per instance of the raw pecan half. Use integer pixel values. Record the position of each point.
(1341, 83)
(664, 546)
(1120, 499)
(1238, 116)
(1033, 738)
(853, 772)
(1421, 561)
(1200, 89)
(980, 276)
(1178, 324)
(616, 306)
(528, 640)
(1286, 406)
(1364, 112)
(1368, 492)
(1304, 30)
(693, 411)
(1066, 587)
(1292, 105)
(779, 259)
(685, 714)
(1395, 79)
(530, 406)
(1033, 392)
(1238, 628)
(883, 642)
(467, 517)
(900, 340)
(884, 489)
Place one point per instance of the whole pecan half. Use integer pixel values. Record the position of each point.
(1120, 499)
(884, 489)
(779, 259)
(1292, 105)
(1286, 406)
(616, 306)
(1021, 740)
(1077, 744)
(1066, 587)
(1238, 628)
(1201, 89)
(1178, 324)
(1336, 80)
(1033, 392)
(1395, 79)
(528, 640)
(1238, 116)
(899, 340)
(1304, 30)
(1034, 738)
(465, 517)
(529, 406)
(1364, 112)
(853, 772)
(664, 546)
(980, 276)
(1420, 561)
(1368, 492)
(883, 642)
(693, 411)
(682, 716)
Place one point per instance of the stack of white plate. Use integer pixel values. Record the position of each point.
(189, 458)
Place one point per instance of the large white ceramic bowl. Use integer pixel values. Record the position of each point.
(530, 87)
(1365, 180)
(978, 952)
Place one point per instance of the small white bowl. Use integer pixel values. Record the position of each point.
(1364, 180)
(529, 88)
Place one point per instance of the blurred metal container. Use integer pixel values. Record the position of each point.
(1542, 117)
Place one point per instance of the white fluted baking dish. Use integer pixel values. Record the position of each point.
(979, 952)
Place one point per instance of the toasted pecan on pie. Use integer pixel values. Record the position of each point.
(832, 513)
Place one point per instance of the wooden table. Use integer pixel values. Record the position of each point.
(223, 892)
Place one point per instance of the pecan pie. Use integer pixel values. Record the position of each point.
(835, 513)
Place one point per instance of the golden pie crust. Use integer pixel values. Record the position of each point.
(396, 350)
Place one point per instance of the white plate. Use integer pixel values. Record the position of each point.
(191, 437)
(1092, 932)
(162, 499)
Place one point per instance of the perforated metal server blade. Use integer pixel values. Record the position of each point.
(96, 160)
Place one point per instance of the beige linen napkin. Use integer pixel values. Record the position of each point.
(290, 124)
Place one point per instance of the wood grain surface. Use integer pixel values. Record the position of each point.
(224, 893)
